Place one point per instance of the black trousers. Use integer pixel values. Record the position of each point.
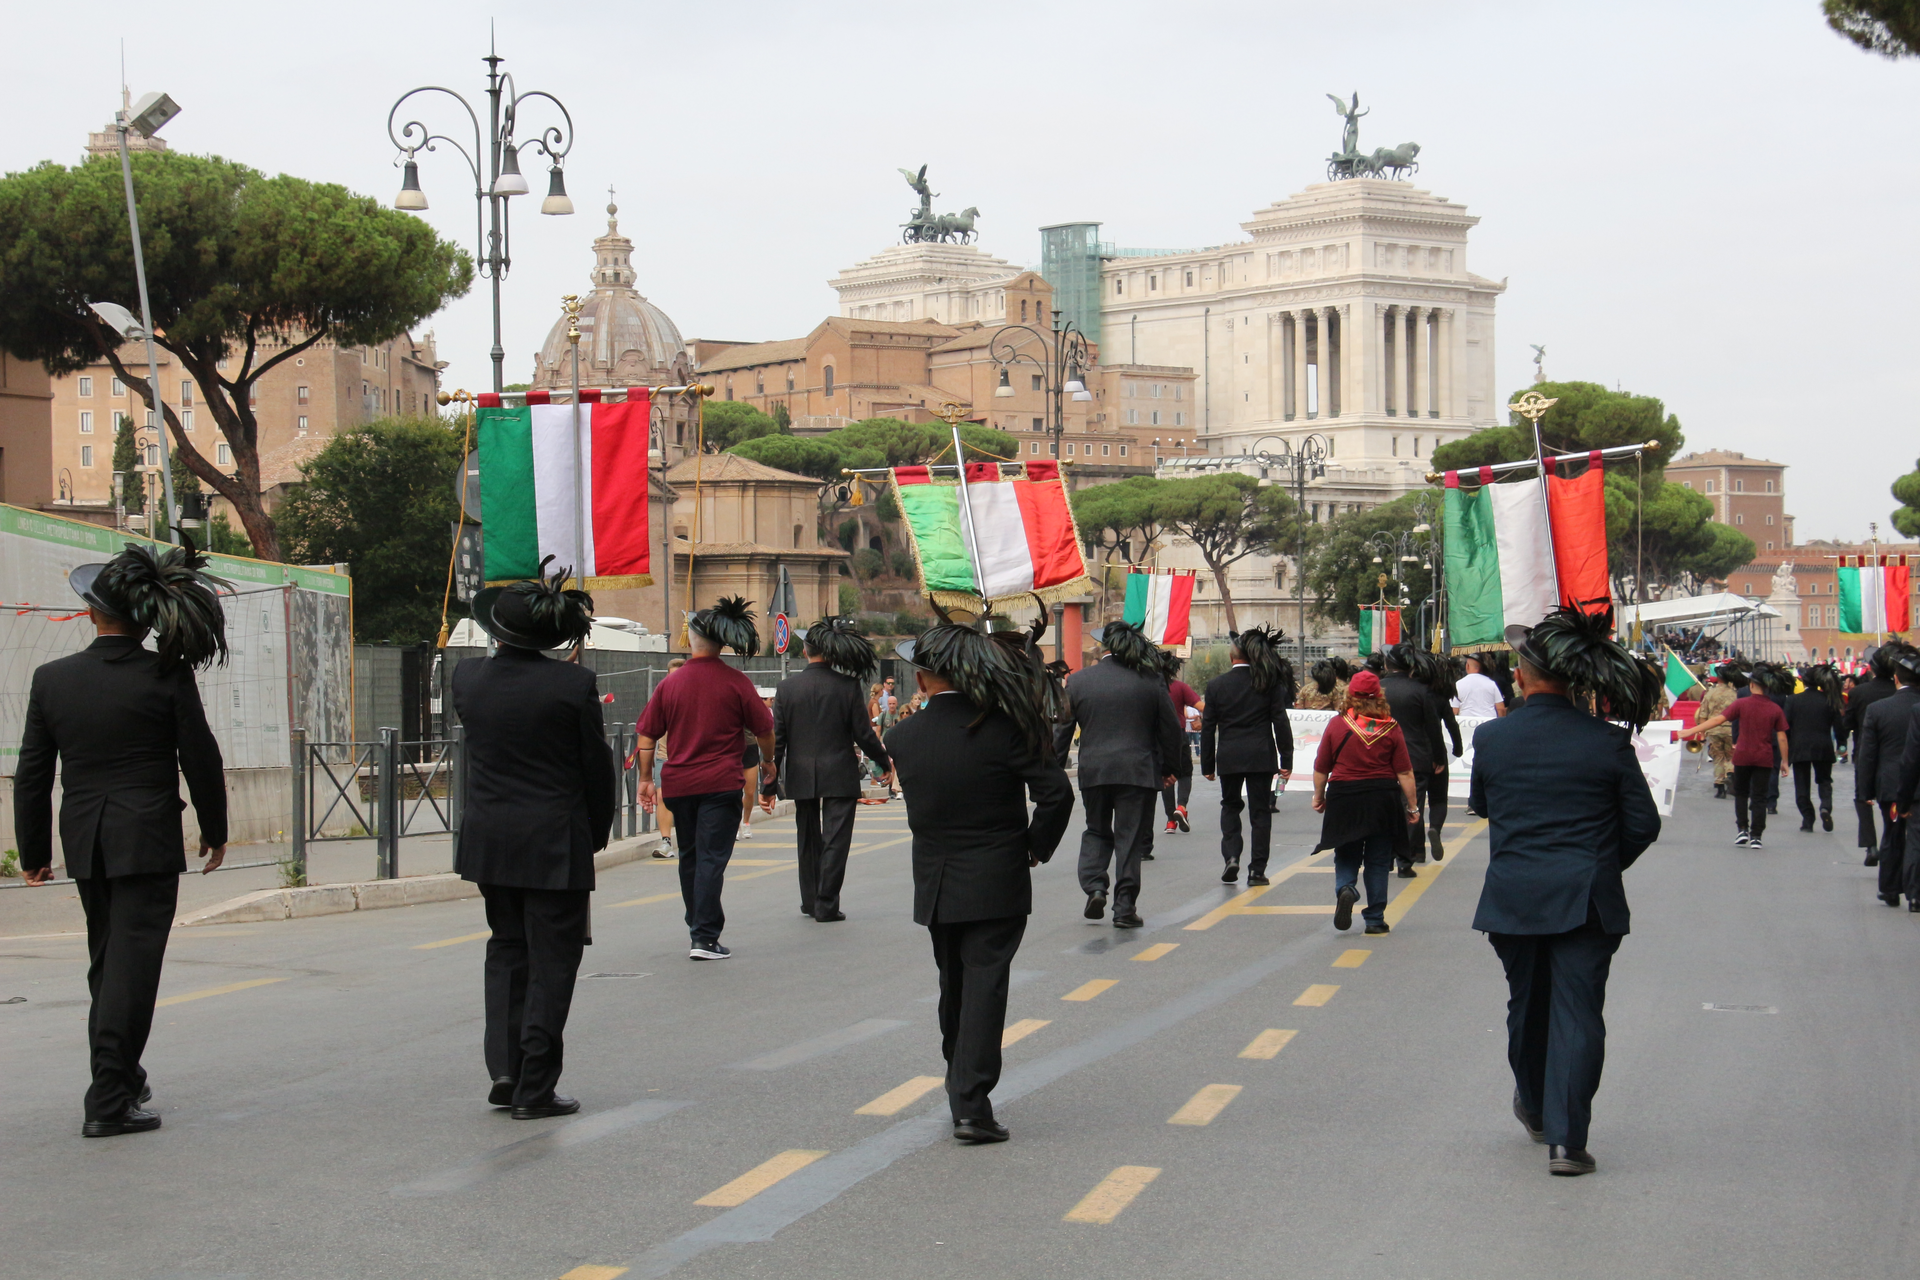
(975, 959)
(1258, 804)
(1899, 870)
(1556, 1034)
(1807, 774)
(826, 833)
(1863, 810)
(705, 827)
(533, 958)
(128, 920)
(1750, 797)
(1423, 783)
(1177, 795)
(1119, 829)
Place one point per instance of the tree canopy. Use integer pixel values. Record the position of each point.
(234, 259)
(1340, 570)
(1588, 416)
(1906, 517)
(1890, 28)
(728, 422)
(381, 499)
(872, 442)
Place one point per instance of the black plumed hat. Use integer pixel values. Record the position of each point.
(1260, 646)
(1130, 647)
(165, 593)
(992, 676)
(538, 613)
(728, 623)
(844, 648)
(1579, 648)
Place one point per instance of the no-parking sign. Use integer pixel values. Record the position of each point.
(782, 633)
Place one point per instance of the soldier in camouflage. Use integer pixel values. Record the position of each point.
(1722, 689)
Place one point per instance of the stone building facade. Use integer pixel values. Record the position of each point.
(950, 283)
(1748, 493)
(737, 523)
(26, 433)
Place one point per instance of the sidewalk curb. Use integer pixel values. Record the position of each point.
(373, 895)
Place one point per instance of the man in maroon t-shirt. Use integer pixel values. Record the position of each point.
(1763, 726)
(702, 710)
(1175, 797)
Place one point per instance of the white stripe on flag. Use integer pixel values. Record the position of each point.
(1006, 567)
(1527, 591)
(1159, 607)
(1873, 598)
(554, 497)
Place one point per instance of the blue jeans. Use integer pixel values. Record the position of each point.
(704, 826)
(1376, 851)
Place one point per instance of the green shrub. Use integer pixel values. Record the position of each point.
(868, 563)
(849, 599)
(901, 562)
(848, 533)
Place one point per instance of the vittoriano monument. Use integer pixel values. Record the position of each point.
(1349, 162)
(924, 227)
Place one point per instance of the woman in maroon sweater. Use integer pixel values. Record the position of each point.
(1363, 785)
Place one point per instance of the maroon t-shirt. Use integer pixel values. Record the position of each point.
(701, 710)
(1759, 718)
(1183, 697)
(1376, 750)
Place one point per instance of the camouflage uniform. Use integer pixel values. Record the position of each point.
(1719, 697)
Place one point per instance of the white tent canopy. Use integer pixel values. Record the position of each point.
(608, 633)
(1694, 611)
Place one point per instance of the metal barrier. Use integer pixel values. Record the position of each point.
(365, 785)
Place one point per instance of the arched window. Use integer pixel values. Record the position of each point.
(796, 536)
(829, 382)
(1023, 308)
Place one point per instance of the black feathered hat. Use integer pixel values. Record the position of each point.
(728, 623)
(1260, 646)
(1774, 677)
(990, 675)
(1579, 648)
(165, 593)
(844, 648)
(1129, 646)
(539, 613)
(1324, 675)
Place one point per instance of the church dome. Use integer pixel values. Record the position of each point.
(624, 339)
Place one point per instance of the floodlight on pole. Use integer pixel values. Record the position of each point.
(120, 320)
(145, 118)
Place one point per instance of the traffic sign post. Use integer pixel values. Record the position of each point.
(782, 639)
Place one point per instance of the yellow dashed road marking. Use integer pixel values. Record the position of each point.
(216, 991)
(1203, 1106)
(1088, 990)
(1115, 1192)
(1351, 959)
(452, 942)
(1157, 950)
(1021, 1030)
(1317, 994)
(591, 1272)
(758, 1179)
(896, 1100)
(1268, 1044)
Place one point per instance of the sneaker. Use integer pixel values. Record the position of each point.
(1170, 827)
(746, 832)
(1754, 843)
(708, 951)
(664, 851)
(1742, 839)
(1378, 926)
(1343, 908)
(1180, 816)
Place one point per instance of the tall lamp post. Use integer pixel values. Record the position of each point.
(495, 165)
(1062, 373)
(1306, 459)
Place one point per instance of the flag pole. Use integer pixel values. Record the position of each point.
(951, 412)
(571, 304)
(1532, 406)
(1879, 578)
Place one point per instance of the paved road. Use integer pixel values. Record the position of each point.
(1227, 1093)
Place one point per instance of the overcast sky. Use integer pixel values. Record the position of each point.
(1709, 203)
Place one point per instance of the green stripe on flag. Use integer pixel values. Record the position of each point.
(1475, 609)
(933, 514)
(1679, 679)
(1367, 624)
(1139, 587)
(512, 544)
(1851, 616)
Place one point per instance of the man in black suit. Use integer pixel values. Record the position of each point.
(1244, 738)
(819, 718)
(1416, 709)
(1570, 811)
(968, 762)
(1129, 741)
(540, 801)
(125, 724)
(1814, 717)
(1865, 693)
(1881, 744)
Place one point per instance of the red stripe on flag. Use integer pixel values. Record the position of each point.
(911, 475)
(591, 395)
(1050, 542)
(1578, 510)
(1179, 609)
(539, 397)
(1045, 469)
(1392, 627)
(983, 473)
(1899, 596)
(488, 400)
(621, 543)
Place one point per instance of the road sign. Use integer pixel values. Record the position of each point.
(782, 633)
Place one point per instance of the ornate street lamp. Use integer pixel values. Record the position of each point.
(1307, 460)
(1062, 373)
(496, 184)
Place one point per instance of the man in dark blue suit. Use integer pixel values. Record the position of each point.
(1570, 811)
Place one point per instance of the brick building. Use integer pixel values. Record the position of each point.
(1748, 493)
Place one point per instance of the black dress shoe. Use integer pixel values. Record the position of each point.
(1379, 926)
(132, 1120)
(1254, 877)
(1231, 874)
(831, 917)
(1127, 920)
(1872, 860)
(1891, 899)
(1096, 906)
(1807, 824)
(1439, 848)
(1536, 1128)
(980, 1131)
(501, 1095)
(1913, 904)
(1343, 908)
(1146, 857)
(555, 1105)
(146, 1096)
(1569, 1162)
(1407, 873)
(1826, 819)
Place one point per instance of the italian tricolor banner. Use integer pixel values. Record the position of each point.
(1160, 604)
(1021, 523)
(1501, 568)
(1874, 594)
(580, 499)
(1379, 630)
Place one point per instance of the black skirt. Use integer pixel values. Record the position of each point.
(1363, 807)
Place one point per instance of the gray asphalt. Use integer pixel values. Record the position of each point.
(331, 1121)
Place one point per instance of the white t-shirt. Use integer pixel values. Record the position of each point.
(1477, 695)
